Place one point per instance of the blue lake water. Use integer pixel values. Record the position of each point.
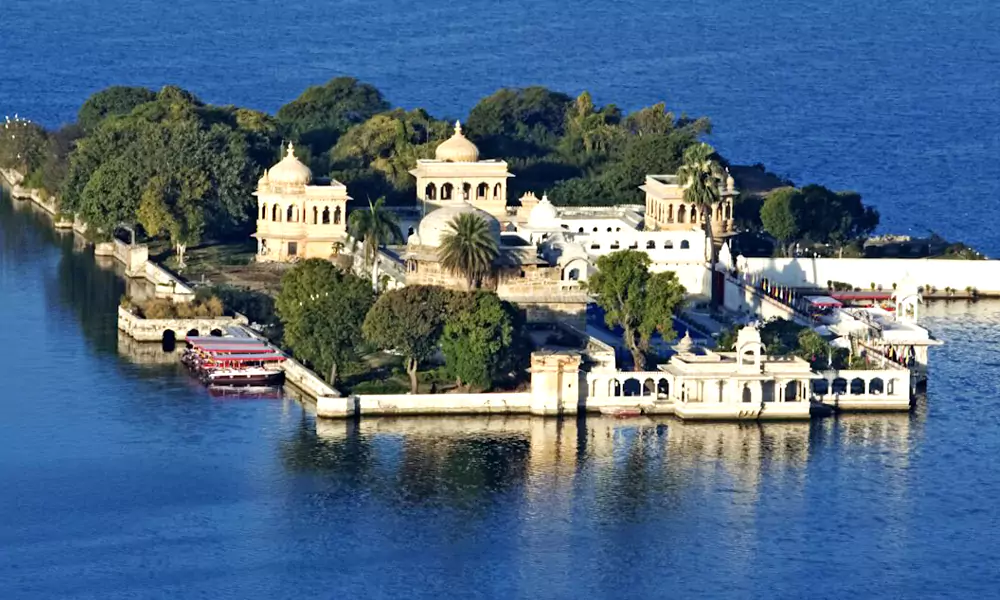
(123, 479)
(897, 100)
(126, 480)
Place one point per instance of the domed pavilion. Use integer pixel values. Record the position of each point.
(298, 216)
(456, 173)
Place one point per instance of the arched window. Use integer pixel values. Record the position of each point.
(685, 244)
(573, 275)
(668, 245)
(728, 212)
(618, 229)
(315, 215)
(326, 215)
(482, 190)
(609, 230)
(336, 216)
(290, 215)
(706, 215)
(446, 190)
(670, 214)
(580, 230)
(497, 191)
(693, 215)
(263, 211)
(275, 215)
(650, 245)
(466, 191)
(595, 230)
(680, 213)
(431, 192)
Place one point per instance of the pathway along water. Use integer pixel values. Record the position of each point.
(123, 480)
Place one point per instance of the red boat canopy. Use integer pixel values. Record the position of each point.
(272, 357)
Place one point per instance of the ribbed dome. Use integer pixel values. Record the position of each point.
(290, 171)
(544, 214)
(457, 148)
(438, 222)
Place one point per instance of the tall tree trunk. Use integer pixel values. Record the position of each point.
(411, 370)
(333, 373)
(638, 356)
(181, 249)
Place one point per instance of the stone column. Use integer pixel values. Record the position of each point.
(555, 383)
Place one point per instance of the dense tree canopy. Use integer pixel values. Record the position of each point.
(409, 321)
(173, 165)
(514, 123)
(116, 100)
(319, 116)
(635, 300)
(481, 341)
(375, 157)
(322, 310)
(815, 214)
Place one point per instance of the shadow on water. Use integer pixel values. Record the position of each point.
(89, 287)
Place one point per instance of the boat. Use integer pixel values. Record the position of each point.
(229, 361)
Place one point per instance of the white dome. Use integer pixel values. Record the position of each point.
(543, 215)
(457, 148)
(438, 222)
(290, 171)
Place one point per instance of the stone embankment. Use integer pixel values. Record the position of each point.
(135, 257)
(941, 275)
(157, 330)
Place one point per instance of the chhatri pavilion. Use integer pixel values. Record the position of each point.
(297, 216)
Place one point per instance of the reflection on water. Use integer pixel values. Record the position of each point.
(128, 477)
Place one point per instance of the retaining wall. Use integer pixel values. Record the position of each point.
(983, 275)
(152, 330)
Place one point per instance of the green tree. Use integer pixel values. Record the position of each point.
(322, 311)
(23, 145)
(322, 113)
(410, 321)
(175, 134)
(815, 349)
(171, 204)
(376, 227)
(781, 216)
(702, 175)
(478, 341)
(518, 122)
(635, 300)
(116, 100)
(374, 158)
(468, 248)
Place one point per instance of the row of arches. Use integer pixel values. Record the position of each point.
(686, 213)
(635, 387)
(856, 386)
(447, 191)
(650, 245)
(292, 214)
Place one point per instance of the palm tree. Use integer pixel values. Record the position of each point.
(468, 248)
(702, 177)
(375, 226)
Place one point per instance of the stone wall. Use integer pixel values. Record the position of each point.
(983, 275)
(153, 330)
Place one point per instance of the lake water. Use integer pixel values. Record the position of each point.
(124, 479)
(897, 100)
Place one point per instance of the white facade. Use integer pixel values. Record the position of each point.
(592, 232)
